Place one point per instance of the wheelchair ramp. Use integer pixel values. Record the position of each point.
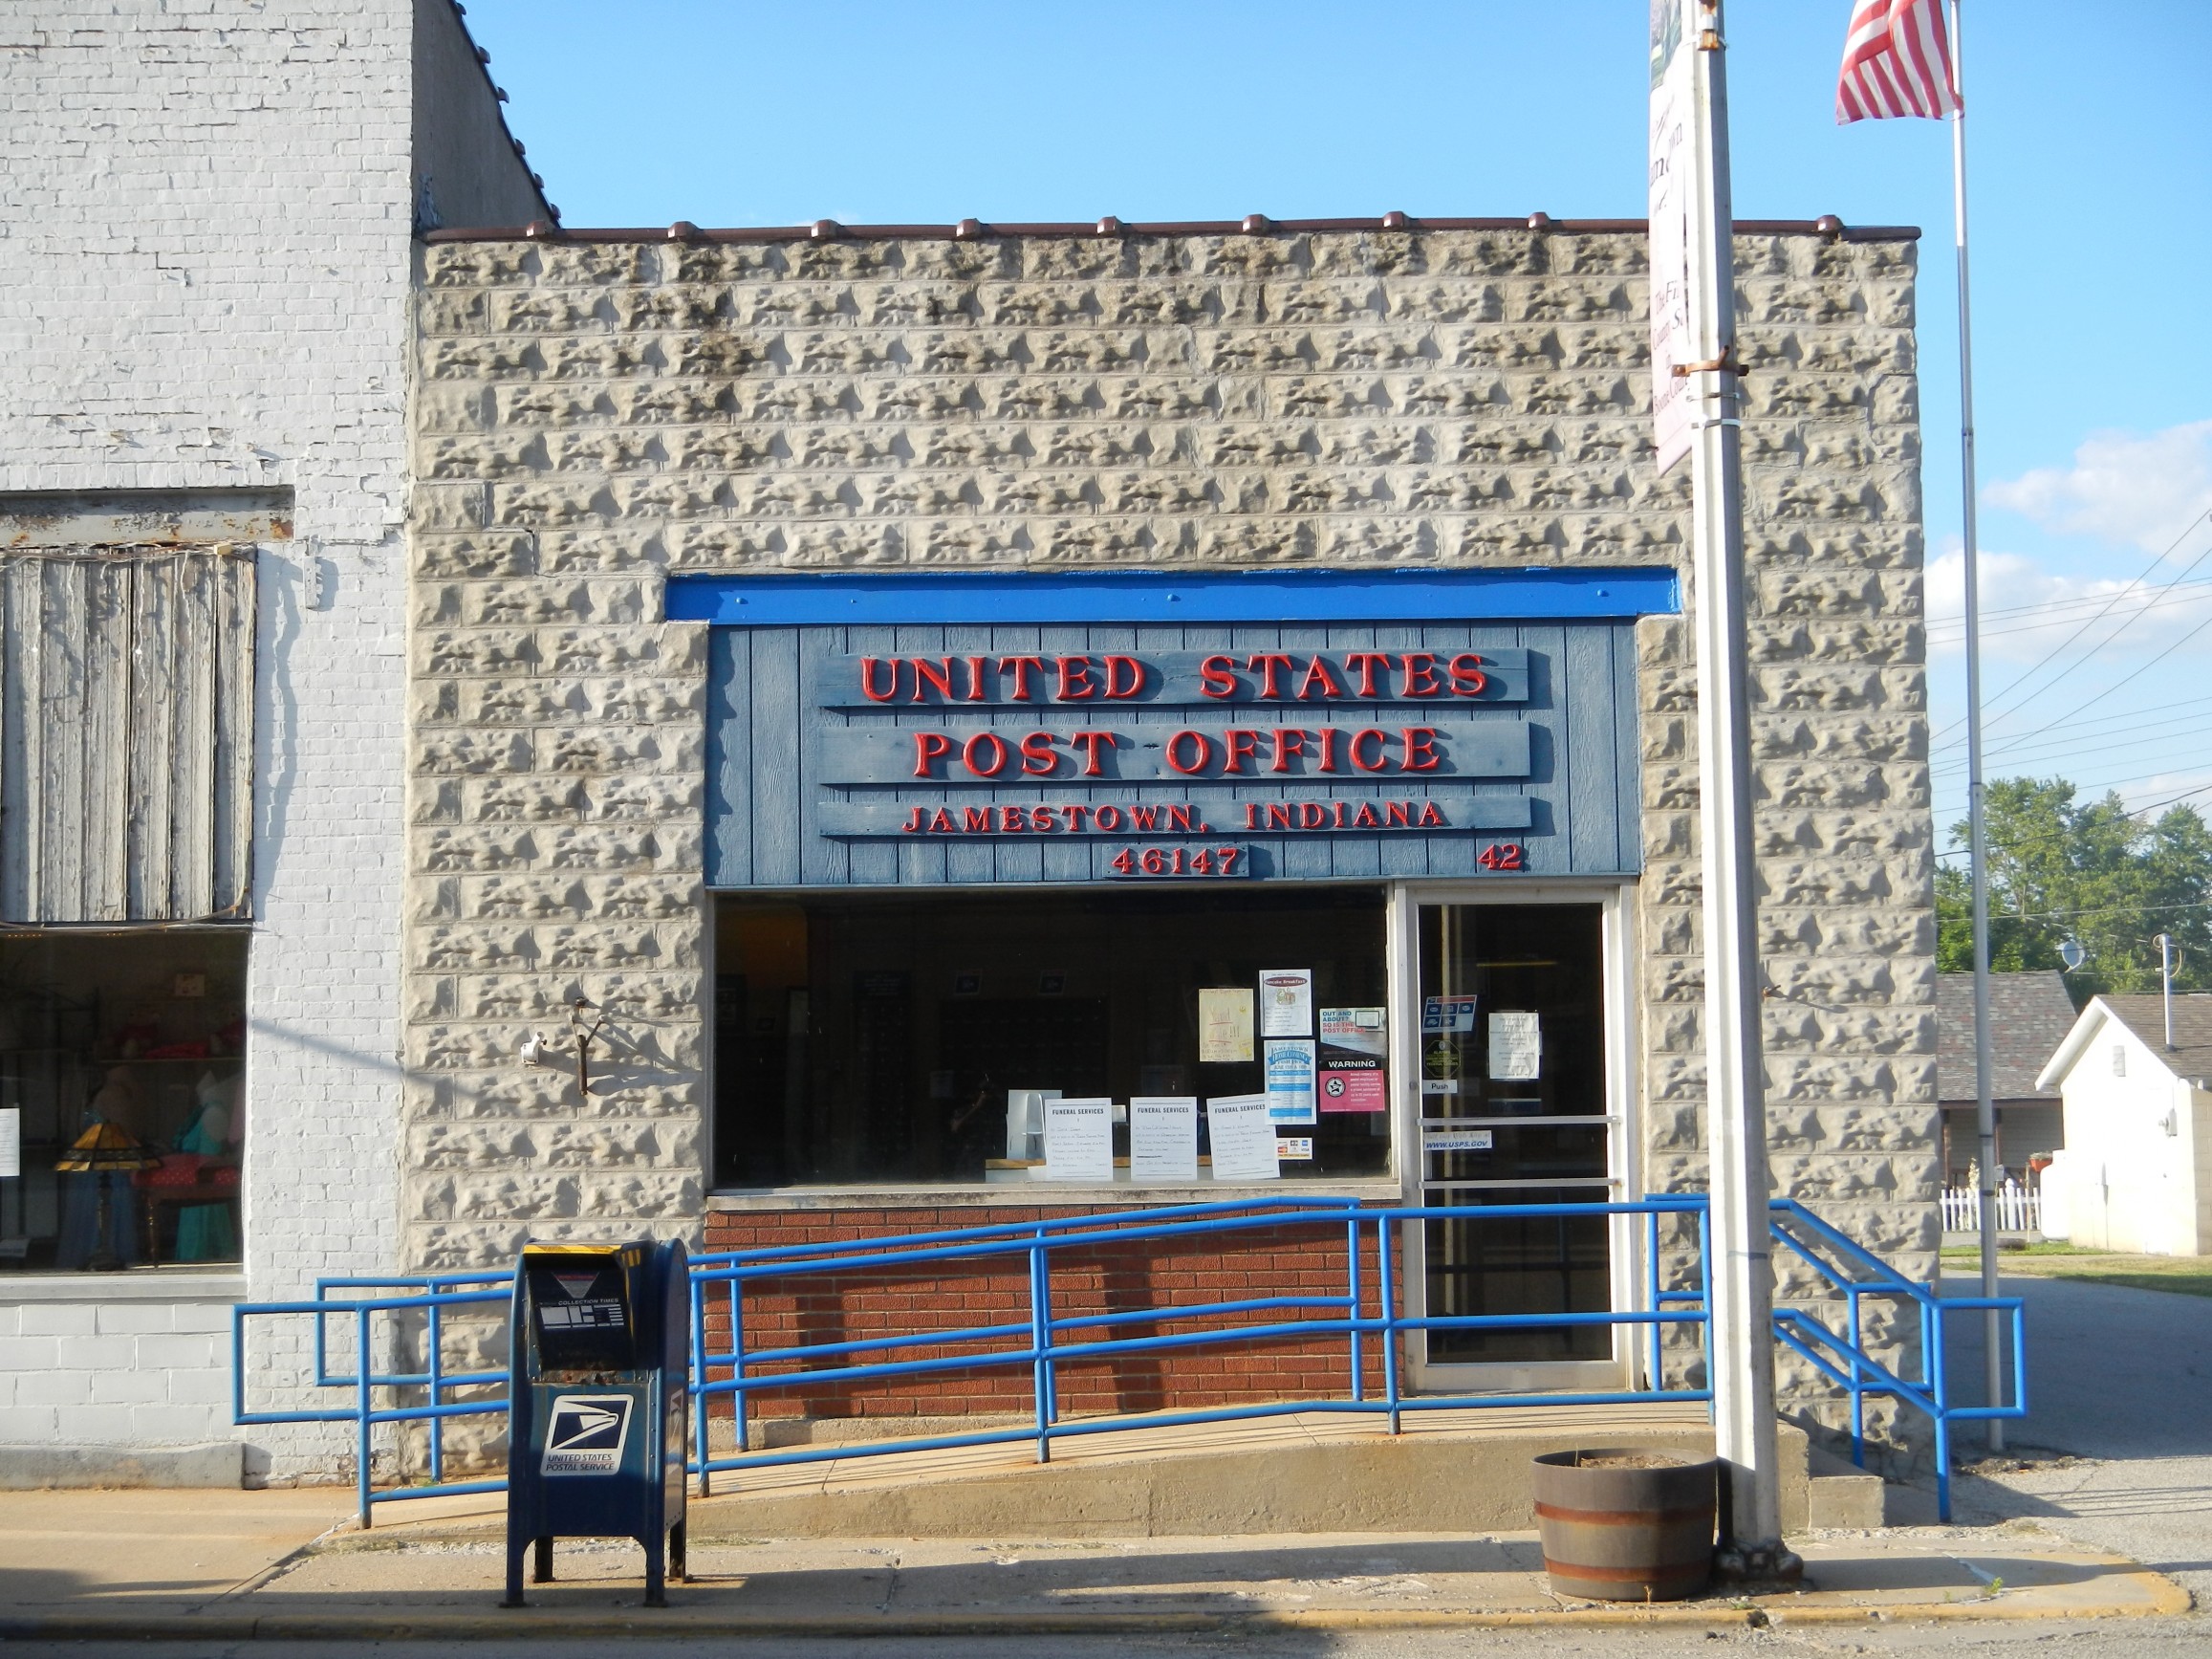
(1456, 1470)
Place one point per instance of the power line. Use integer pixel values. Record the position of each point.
(2116, 684)
(2051, 611)
(2011, 754)
(2051, 655)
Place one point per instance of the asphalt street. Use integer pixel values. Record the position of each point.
(2118, 1446)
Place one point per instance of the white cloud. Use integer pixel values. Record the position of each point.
(2123, 486)
(2028, 612)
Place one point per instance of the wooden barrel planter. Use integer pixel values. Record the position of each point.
(1626, 1523)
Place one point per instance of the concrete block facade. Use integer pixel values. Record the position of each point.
(205, 285)
(592, 415)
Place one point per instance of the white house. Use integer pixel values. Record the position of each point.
(2135, 1173)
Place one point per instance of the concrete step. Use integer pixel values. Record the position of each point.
(1459, 1471)
(1839, 1494)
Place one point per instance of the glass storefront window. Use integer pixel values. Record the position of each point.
(121, 1119)
(876, 1039)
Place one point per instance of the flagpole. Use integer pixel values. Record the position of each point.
(1977, 849)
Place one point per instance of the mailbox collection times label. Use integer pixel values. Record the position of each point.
(586, 1435)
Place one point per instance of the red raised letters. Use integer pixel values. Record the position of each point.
(996, 751)
(1124, 678)
(1216, 677)
(1266, 665)
(1174, 747)
(1037, 747)
(1289, 740)
(1420, 754)
(1076, 681)
(929, 746)
(1241, 746)
(1418, 675)
(1090, 743)
(1364, 664)
(1019, 668)
(928, 673)
(868, 667)
(1378, 738)
(1467, 677)
(1317, 674)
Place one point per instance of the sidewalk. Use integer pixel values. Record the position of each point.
(229, 1566)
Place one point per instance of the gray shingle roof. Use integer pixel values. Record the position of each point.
(2146, 1016)
(2029, 1014)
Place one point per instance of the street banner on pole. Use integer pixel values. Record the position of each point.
(1671, 93)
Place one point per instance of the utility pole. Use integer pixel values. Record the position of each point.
(1742, 1273)
(2169, 959)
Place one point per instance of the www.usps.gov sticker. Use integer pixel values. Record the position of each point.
(586, 1435)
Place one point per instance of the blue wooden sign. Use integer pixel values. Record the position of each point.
(982, 753)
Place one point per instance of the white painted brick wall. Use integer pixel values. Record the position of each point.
(139, 1373)
(204, 263)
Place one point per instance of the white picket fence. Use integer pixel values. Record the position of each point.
(2019, 1209)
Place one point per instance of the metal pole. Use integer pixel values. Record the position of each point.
(1977, 841)
(1742, 1301)
(2166, 980)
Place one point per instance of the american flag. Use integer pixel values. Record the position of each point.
(1896, 62)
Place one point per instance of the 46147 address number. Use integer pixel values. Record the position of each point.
(1216, 860)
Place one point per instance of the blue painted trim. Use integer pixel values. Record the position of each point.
(952, 599)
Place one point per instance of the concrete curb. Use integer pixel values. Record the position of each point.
(2165, 1600)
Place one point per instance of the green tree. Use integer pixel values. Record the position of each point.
(2086, 870)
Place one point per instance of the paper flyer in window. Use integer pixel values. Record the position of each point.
(1163, 1139)
(1080, 1141)
(1353, 1091)
(1224, 1025)
(1354, 1044)
(1290, 1080)
(10, 1143)
(1242, 1138)
(1516, 1046)
(1286, 1002)
(1346, 1031)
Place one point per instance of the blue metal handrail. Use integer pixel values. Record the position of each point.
(1041, 1339)
(1856, 1273)
(1035, 1341)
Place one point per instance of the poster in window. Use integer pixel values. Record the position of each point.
(1353, 1091)
(1224, 1025)
(1286, 1002)
(1516, 1046)
(1163, 1139)
(1290, 1080)
(1080, 1141)
(1346, 1031)
(1242, 1138)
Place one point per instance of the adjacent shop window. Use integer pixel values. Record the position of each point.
(1151, 1038)
(122, 1121)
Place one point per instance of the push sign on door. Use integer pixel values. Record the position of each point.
(1441, 1013)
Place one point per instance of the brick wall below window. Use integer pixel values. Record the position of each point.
(1104, 1277)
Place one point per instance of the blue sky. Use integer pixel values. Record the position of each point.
(2092, 176)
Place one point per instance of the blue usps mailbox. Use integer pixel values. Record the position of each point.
(601, 1380)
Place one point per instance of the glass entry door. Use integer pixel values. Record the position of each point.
(1515, 1108)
